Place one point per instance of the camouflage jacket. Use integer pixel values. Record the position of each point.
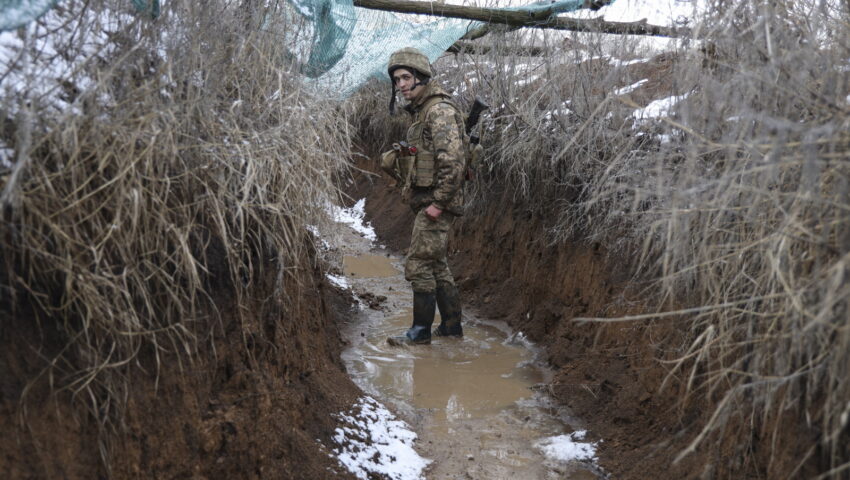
(438, 129)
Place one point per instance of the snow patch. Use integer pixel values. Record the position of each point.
(566, 448)
(373, 442)
(630, 88)
(338, 280)
(616, 62)
(658, 108)
(667, 13)
(316, 233)
(353, 217)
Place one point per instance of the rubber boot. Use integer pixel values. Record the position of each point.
(448, 299)
(424, 308)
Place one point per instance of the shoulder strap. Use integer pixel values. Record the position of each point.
(434, 101)
(437, 99)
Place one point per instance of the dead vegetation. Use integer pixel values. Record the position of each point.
(732, 197)
(174, 158)
(181, 155)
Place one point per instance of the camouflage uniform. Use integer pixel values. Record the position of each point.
(431, 172)
(437, 130)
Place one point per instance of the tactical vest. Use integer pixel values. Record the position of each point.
(420, 170)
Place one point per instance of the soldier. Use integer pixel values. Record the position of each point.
(431, 172)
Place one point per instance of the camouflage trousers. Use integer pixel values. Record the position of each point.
(426, 263)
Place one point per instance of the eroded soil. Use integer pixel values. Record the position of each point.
(251, 404)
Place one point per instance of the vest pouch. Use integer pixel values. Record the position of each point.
(424, 175)
(474, 155)
(405, 168)
(389, 162)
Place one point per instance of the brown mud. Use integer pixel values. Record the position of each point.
(251, 403)
(473, 401)
(609, 375)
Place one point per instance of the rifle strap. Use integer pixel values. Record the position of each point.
(436, 99)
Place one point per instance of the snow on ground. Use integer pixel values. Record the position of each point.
(338, 280)
(616, 62)
(658, 108)
(373, 442)
(354, 218)
(566, 448)
(630, 88)
(665, 12)
(316, 233)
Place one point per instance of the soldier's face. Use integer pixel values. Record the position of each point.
(405, 82)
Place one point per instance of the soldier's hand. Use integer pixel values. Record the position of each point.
(433, 212)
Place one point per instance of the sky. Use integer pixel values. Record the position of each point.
(656, 12)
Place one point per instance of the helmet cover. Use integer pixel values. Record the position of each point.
(410, 58)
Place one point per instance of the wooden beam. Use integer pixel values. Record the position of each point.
(544, 18)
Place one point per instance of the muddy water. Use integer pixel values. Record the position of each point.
(368, 266)
(472, 401)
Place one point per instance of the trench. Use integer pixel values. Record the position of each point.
(478, 404)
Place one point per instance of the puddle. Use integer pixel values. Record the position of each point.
(368, 266)
(470, 400)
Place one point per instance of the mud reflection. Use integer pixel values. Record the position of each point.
(469, 399)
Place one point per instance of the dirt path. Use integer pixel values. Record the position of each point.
(472, 401)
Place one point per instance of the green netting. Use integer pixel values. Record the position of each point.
(345, 45)
(17, 13)
(350, 45)
(150, 7)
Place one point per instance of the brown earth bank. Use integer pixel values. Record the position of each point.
(610, 375)
(251, 403)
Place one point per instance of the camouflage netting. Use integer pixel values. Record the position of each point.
(350, 45)
(338, 46)
(17, 13)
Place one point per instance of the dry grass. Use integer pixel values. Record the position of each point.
(192, 161)
(736, 204)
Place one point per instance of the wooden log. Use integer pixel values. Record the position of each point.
(544, 18)
(522, 51)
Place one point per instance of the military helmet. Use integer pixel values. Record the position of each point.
(411, 58)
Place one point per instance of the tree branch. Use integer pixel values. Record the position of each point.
(540, 19)
(522, 51)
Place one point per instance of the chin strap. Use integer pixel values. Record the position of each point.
(422, 83)
(392, 100)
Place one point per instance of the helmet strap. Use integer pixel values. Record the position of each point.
(421, 80)
(392, 100)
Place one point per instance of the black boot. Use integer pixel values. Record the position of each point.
(448, 299)
(424, 307)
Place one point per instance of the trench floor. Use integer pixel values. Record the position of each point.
(477, 403)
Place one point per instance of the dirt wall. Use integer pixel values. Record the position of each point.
(251, 402)
(610, 375)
